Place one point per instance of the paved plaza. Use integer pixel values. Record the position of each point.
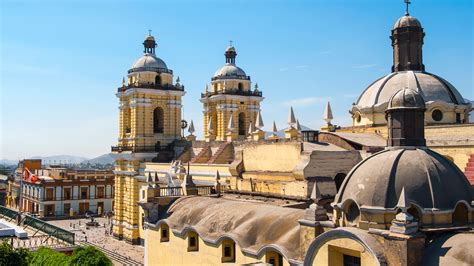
(100, 236)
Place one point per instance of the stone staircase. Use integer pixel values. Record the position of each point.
(203, 156)
(469, 170)
(222, 155)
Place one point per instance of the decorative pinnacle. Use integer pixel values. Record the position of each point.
(259, 122)
(177, 80)
(123, 81)
(251, 128)
(210, 127)
(256, 86)
(291, 117)
(274, 129)
(206, 90)
(328, 113)
(298, 126)
(191, 128)
(231, 125)
(315, 194)
(218, 176)
(402, 201)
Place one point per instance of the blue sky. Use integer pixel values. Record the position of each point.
(62, 61)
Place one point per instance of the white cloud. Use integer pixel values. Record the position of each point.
(284, 69)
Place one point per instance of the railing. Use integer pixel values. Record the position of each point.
(49, 229)
(8, 212)
(135, 148)
(231, 77)
(159, 69)
(151, 86)
(67, 198)
(205, 190)
(233, 92)
(170, 192)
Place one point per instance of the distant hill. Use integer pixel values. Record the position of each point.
(60, 159)
(8, 162)
(103, 159)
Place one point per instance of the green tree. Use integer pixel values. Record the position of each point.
(45, 257)
(10, 256)
(89, 256)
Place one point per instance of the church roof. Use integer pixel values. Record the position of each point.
(149, 62)
(254, 226)
(407, 21)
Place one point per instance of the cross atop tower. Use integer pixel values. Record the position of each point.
(230, 43)
(407, 2)
(149, 32)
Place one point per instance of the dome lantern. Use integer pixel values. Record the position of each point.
(230, 54)
(405, 116)
(149, 44)
(407, 42)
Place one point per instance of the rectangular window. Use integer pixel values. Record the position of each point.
(50, 194)
(100, 192)
(351, 260)
(228, 251)
(193, 242)
(84, 193)
(164, 233)
(67, 208)
(67, 193)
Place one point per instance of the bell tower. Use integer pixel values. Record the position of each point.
(230, 95)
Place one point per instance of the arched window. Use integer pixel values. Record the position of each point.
(460, 216)
(157, 81)
(158, 120)
(242, 128)
(193, 241)
(240, 86)
(165, 231)
(274, 258)
(338, 179)
(352, 213)
(416, 213)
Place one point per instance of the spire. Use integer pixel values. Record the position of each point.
(123, 81)
(230, 54)
(259, 122)
(191, 127)
(291, 117)
(256, 87)
(217, 176)
(274, 128)
(231, 124)
(328, 113)
(149, 44)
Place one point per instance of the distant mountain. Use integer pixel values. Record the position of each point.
(8, 162)
(60, 159)
(103, 159)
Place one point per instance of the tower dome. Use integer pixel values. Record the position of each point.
(230, 70)
(149, 61)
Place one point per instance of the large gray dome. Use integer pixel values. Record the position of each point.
(149, 62)
(230, 71)
(430, 180)
(431, 88)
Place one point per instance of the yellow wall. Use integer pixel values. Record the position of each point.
(174, 252)
(331, 253)
(272, 157)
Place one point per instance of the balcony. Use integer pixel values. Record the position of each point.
(151, 86)
(119, 148)
(232, 92)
